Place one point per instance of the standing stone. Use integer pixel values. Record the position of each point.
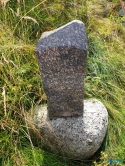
(62, 59)
(65, 127)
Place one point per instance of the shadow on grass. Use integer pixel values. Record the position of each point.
(52, 159)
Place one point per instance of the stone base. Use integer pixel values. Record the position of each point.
(75, 137)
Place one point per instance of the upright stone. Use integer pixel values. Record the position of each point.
(61, 56)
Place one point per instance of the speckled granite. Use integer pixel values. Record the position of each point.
(62, 59)
(75, 137)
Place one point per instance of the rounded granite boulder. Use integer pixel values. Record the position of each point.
(75, 137)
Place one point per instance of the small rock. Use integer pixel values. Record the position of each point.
(121, 13)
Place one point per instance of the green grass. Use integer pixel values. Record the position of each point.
(21, 25)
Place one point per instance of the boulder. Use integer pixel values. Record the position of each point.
(74, 137)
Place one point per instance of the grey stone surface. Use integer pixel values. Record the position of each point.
(61, 56)
(75, 137)
(121, 13)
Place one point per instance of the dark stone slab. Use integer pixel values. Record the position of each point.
(62, 59)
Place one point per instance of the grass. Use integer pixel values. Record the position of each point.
(21, 25)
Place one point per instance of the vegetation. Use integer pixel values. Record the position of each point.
(21, 25)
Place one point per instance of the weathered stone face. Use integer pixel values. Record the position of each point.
(62, 58)
(74, 137)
